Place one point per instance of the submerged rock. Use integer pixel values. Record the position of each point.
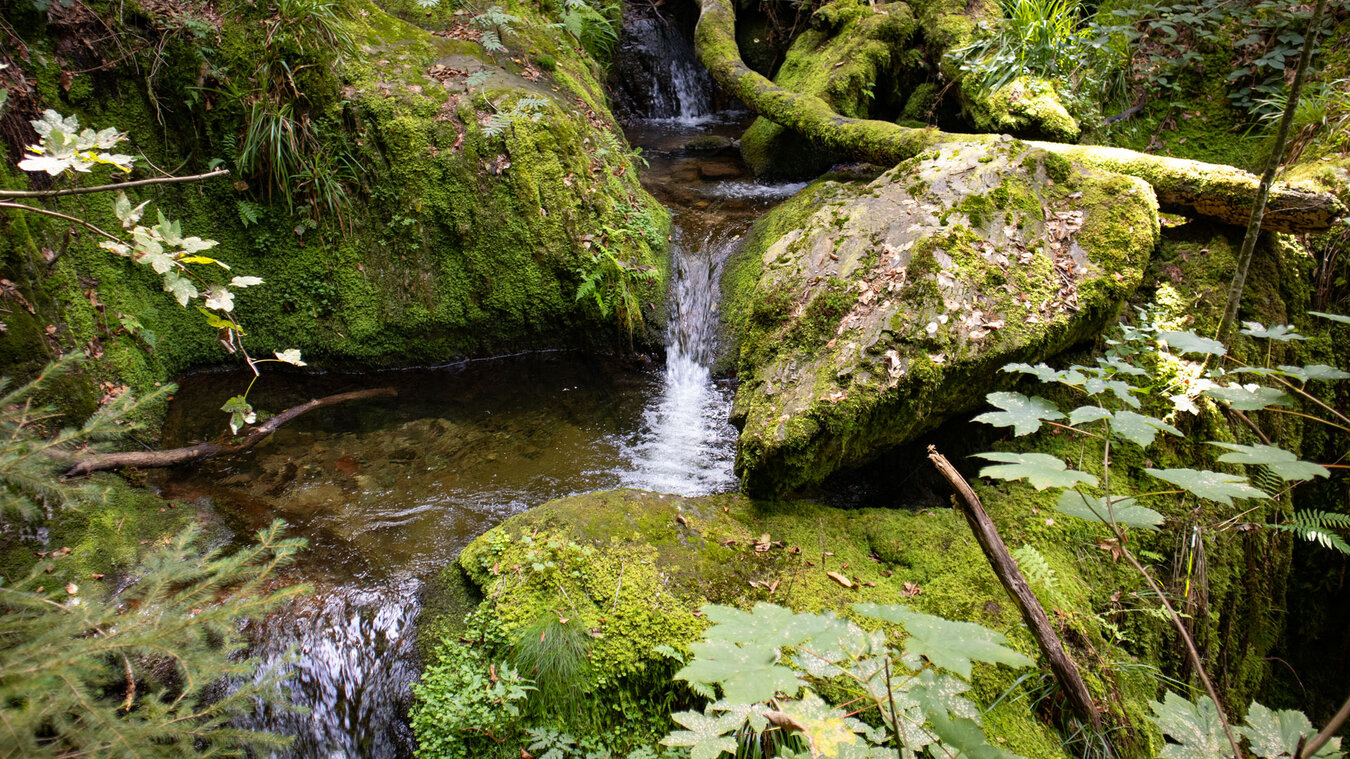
(866, 314)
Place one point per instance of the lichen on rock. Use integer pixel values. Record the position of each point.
(888, 307)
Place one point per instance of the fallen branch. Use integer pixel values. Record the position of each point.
(1320, 740)
(1066, 671)
(111, 186)
(1193, 188)
(145, 459)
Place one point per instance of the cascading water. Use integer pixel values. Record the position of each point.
(686, 445)
(657, 73)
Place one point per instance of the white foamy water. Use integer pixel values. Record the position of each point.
(686, 445)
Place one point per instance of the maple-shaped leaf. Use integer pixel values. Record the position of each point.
(1122, 390)
(1248, 397)
(1279, 332)
(1315, 372)
(1213, 486)
(745, 713)
(1194, 728)
(768, 624)
(1085, 414)
(825, 729)
(705, 735)
(947, 644)
(1040, 469)
(1333, 317)
(1127, 513)
(1139, 429)
(1275, 735)
(1122, 366)
(1189, 342)
(1280, 462)
(748, 673)
(1022, 413)
(182, 288)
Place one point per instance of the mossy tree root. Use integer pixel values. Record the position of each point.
(1187, 187)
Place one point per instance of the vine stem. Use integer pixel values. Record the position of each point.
(1320, 740)
(110, 187)
(57, 214)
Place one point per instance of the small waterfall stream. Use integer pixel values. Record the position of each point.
(389, 492)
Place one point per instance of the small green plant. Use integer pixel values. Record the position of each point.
(1039, 37)
(769, 663)
(492, 24)
(526, 108)
(596, 31)
(553, 653)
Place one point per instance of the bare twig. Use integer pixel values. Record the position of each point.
(45, 212)
(1320, 740)
(110, 187)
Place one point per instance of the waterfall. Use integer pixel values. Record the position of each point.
(686, 445)
(656, 73)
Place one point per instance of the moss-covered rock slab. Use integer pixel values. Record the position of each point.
(866, 314)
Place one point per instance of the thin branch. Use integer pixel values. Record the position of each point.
(110, 187)
(45, 212)
(1321, 738)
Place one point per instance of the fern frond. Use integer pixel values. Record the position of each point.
(1033, 564)
(1318, 527)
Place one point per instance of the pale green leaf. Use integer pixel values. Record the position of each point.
(1282, 463)
(747, 673)
(1189, 342)
(1333, 317)
(825, 729)
(1280, 332)
(1274, 735)
(1022, 413)
(1122, 390)
(1195, 729)
(290, 356)
(1248, 397)
(947, 644)
(1213, 486)
(1140, 429)
(1315, 372)
(1040, 469)
(1084, 414)
(182, 288)
(1094, 509)
(704, 734)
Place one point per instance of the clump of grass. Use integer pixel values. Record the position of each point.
(555, 654)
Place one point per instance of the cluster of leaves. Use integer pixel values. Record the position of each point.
(1044, 38)
(139, 671)
(179, 259)
(1111, 414)
(461, 697)
(1165, 39)
(526, 108)
(770, 663)
(492, 24)
(1197, 733)
(597, 31)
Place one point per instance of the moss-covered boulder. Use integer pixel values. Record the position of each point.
(469, 190)
(1027, 107)
(866, 314)
(632, 570)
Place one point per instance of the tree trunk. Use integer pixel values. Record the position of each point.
(1187, 187)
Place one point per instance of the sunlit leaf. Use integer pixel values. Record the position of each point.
(1276, 734)
(1122, 390)
(1189, 342)
(1094, 509)
(1279, 332)
(1333, 317)
(1040, 469)
(704, 734)
(1195, 729)
(1022, 413)
(1282, 463)
(1248, 397)
(1315, 372)
(290, 356)
(825, 729)
(1213, 486)
(947, 644)
(1139, 429)
(1084, 414)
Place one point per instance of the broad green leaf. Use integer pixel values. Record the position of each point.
(963, 737)
(1284, 464)
(1093, 509)
(197, 260)
(1121, 366)
(947, 644)
(748, 674)
(220, 299)
(1194, 728)
(1280, 332)
(1333, 317)
(1020, 412)
(1140, 429)
(1189, 342)
(197, 245)
(216, 322)
(1071, 376)
(1122, 390)
(1274, 735)
(704, 734)
(1084, 414)
(1248, 397)
(745, 713)
(1315, 372)
(769, 625)
(245, 281)
(1040, 469)
(182, 288)
(1214, 486)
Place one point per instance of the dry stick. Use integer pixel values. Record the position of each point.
(1321, 738)
(101, 461)
(1066, 671)
(45, 212)
(110, 187)
(1268, 176)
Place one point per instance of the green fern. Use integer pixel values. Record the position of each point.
(1318, 527)
(250, 213)
(1033, 564)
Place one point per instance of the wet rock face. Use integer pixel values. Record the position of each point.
(880, 310)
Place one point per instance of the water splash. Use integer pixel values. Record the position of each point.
(686, 445)
(658, 74)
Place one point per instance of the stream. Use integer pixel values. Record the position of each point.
(388, 491)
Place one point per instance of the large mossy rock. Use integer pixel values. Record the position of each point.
(633, 568)
(866, 314)
(463, 235)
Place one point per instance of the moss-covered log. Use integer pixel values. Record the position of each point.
(1188, 187)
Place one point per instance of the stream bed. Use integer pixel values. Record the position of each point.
(387, 491)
